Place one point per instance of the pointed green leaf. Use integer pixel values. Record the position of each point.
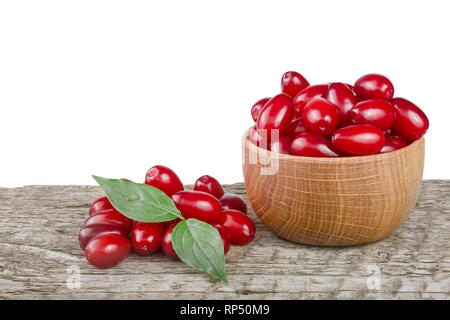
(199, 245)
(138, 201)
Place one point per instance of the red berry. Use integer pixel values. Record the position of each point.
(308, 144)
(276, 115)
(282, 145)
(164, 179)
(392, 143)
(99, 205)
(146, 237)
(209, 185)
(297, 126)
(376, 112)
(257, 107)
(196, 204)
(358, 140)
(320, 116)
(110, 216)
(107, 250)
(224, 235)
(292, 83)
(257, 140)
(411, 122)
(233, 201)
(95, 229)
(374, 86)
(166, 243)
(240, 228)
(342, 96)
(304, 96)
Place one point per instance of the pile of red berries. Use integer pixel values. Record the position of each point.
(336, 119)
(106, 232)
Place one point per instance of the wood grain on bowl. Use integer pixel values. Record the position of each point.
(333, 201)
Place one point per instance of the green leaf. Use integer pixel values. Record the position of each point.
(199, 245)
(138, 201)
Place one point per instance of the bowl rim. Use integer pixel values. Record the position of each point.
(372, 157)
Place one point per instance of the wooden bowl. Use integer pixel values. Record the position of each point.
(333, 201)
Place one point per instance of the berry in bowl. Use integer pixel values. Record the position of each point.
(334, 164)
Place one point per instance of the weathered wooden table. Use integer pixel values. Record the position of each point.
(40, 257)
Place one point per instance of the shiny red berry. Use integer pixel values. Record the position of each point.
(107, 250)
(233, 201)
(342, 96)
(196, 204)
(224, 235)
(320, 116)
(393, 143)
(358, 140)
(276, 115)
(377, 112)
(164, 179)
(99, 205)
(257, 108)
(282, 145)
(411, 122)
(240, 228)
(292, 83)
(110, 216)
(95, 229)
(166, 242)
(209, 185)
(308, 144)
(297, 126)
(304, 96)
(374, 86)
(258, 140)
(146, 237)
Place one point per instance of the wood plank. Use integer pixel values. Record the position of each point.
(39, 246)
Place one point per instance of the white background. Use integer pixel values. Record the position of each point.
(114, 87)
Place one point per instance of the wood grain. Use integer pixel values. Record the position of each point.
(333, 201)
(38, 243)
